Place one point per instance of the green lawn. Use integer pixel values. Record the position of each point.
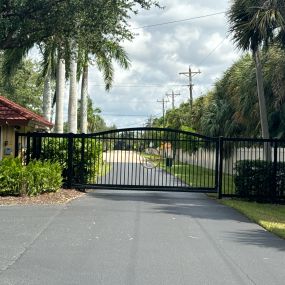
(197, 176)
(271, 217)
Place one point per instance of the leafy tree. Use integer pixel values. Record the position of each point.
(97, 26)
(25, 23)
(24, 87)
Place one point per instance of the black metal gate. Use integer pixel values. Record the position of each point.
(135, 158)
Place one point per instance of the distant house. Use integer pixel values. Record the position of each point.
(15, 118)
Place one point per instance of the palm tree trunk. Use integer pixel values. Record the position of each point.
(60, 89)
(262, 105)
(84, 99)
(47, 97)
(72, 105)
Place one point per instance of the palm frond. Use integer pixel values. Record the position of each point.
(12, 60)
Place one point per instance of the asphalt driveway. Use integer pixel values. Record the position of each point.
(117, 237)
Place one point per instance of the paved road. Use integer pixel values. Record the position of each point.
(148, 238)
(135, 174)
(130, 168)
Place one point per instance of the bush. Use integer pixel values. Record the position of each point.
(85, 169)
(12, 175)
(36, 178)
(43, 176)
(260, 180)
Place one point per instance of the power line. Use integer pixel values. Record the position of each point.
(179, 21)
(123, 115)
(212, 51)
(141, 85)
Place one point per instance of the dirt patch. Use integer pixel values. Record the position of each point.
(61, 197)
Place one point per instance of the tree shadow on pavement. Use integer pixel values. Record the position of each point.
(195, 205)
(199, 207)
(259, 237)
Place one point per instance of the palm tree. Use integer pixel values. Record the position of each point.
(102, 56)
(72, 104)
(48, 72)
(84, 100)
(60, 90)
(254, 24)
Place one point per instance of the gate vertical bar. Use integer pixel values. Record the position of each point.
(16, 144)
(221, 152)
(217, 166)
(275, 170)
(69, 160)
(28, 154)
(82, 162)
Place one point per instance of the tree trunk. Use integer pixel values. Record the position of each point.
(47, 97)
(262, 106)
(72, 105)
(60, 89)
(84, 101)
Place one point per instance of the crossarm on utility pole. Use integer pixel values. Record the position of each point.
(190, 74)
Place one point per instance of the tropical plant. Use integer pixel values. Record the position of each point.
(253, 24)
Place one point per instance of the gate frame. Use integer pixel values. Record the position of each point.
(32, 149)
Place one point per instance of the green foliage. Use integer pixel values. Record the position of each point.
(36, 178)
(12, 175)
(23, 88)
(42, 176)
(256, 22)
(231, 108)
(24, 23)
(86, 163)
(256, 180)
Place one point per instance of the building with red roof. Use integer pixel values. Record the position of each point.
(15, 118)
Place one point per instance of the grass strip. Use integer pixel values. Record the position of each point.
(270, 217)
(198, 176)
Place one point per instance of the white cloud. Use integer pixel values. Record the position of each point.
(159, 53)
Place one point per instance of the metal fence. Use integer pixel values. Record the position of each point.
(155, 158)
(141, 158)
(253, 165)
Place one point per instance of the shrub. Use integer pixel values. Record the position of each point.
(260, 180)
(84, 170)
(35, 178)
(12, 175)
(43, 176)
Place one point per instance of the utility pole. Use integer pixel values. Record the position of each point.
(163, 101)
(172, 95)
(190, 74)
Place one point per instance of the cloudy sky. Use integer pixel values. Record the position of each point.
(159, 53)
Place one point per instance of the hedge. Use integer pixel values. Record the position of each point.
(36, 178)
(260, 180)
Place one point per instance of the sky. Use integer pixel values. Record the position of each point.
(159, 53)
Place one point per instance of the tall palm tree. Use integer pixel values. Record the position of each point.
(84, 100)
(254, 23)
(102, 56)
(60, 90)
(48, 72)
(72, 104)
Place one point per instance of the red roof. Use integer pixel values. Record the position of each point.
(14, 114)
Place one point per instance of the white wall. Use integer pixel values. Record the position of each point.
(207, 158)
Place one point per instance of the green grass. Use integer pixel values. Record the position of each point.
(271, 217)
(197, 176)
